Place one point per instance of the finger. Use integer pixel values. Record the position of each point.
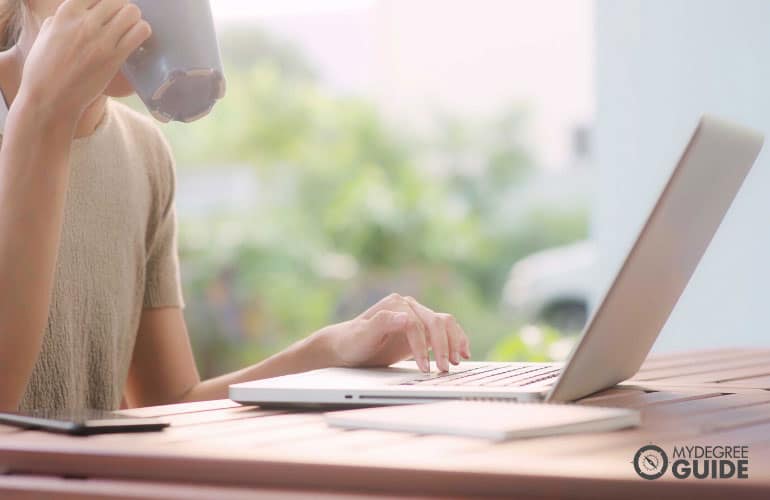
(75, 6)
(439, 343)
(465, 343)
(421, 323)
(459, 344)
(134, 38)
(418, 343)
(104, 11)
(124, 19)
(454, 338)
(436, 331)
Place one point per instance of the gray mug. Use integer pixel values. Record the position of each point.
(177, 72)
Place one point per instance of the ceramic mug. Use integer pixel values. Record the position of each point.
(177, 72)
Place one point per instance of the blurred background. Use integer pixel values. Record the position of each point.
(493, 158)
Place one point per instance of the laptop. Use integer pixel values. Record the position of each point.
(618, 336)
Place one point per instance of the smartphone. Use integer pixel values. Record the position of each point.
(82, 422)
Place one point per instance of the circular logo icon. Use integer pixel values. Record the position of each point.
(650, 462)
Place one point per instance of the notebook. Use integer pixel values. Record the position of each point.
(497, 421)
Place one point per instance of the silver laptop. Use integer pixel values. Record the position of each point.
(617, 338)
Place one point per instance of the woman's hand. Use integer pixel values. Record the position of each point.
(79, 50)
(392, 330)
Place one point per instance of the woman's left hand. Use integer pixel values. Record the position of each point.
(392, 330)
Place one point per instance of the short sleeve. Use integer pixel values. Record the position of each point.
(162, 278)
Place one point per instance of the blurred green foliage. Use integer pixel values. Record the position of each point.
(351, 207)
(533, 343)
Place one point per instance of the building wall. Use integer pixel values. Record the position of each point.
(660, 65)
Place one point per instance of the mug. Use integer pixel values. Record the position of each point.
(177, 72)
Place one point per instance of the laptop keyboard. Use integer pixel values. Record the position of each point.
(489, 376)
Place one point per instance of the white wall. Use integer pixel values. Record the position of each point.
(660, 65)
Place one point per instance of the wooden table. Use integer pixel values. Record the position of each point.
(219, 449)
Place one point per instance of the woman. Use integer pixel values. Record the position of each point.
(90, 303)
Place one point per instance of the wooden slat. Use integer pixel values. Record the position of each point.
(596, 399)
(176, 409)
(256, 437)
(640, 399)
(40, 487)
(744, 416)
(756, 436)
(714, 367)
(725, 388)
(726, 375)
(190, 425)
(749, 382)
(345, 442)
(703, 406)
(212, 416)
(233, 429)
(688, 358)
(609, 392)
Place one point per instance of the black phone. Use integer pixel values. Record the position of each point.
(82, 422)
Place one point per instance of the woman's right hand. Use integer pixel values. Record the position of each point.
(78, 51)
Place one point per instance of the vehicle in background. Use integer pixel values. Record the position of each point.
(553, 286)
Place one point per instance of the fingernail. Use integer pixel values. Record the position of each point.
(400, 319)
(424, 364)
(455, 358)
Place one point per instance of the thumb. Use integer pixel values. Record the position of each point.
(385, 322)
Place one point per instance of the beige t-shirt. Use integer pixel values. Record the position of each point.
(117, 256)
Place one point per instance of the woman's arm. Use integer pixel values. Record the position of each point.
(163, 369)
(33, 182)
(77, 52)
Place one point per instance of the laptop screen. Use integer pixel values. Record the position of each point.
(662, 260)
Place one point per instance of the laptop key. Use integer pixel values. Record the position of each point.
(465, 378)
(523, 379)
(435, 375)
(479, 379)
(541, 379)
(519, 373)
(428, 377)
